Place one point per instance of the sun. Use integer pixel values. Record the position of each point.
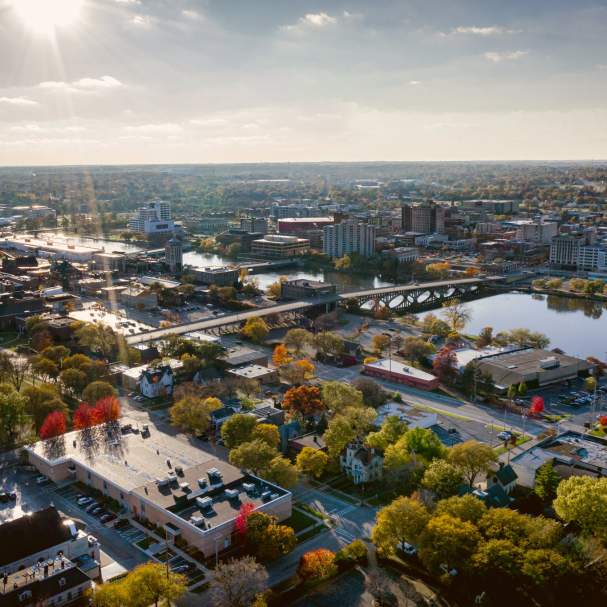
(45, 16)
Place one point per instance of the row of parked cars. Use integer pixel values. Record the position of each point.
(91, 506)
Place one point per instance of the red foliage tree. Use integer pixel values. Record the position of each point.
(240, 524)
(53, 425)
(84, 417)
(303, 401)
(603, 420)
(445, 364)
(107, 410)
(316, 564)
(537, 405)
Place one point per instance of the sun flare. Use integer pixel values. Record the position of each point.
(45, 16)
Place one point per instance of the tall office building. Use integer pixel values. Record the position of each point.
(565, 248)
(174, 255)
(153, 218)
(254, 224)
(425, 218)
(349, 237)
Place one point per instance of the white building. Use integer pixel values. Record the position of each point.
(153, 218)
(535, 231)
(361, 464)
(174, 255)
(402, 254)
(592, 258)
(349, 237)
(565, 249)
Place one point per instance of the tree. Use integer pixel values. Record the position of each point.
(97, 337)
(497, 560)
(152, 584)
(337, 395)
(298, 371)
(342, 263)
(401, 521)
(380, 343)
(97, 390)
(45, 368)
(445, 364)
(255, 329)
(237, 582)
(505, 524)
(442, 478)
(281, 472)
(54, 425)
(435, 326)
(391, 431)
(112, 595)
(13, 416)
(415, 348)
(74, 380)
(84, 417)
(354, 552)
(106, 410)
(194, 414)
(240, 522)
(267, 433)
(296, 340)
(317, 564)
(303, 401)
(40, 401)
(544, 566)
(373, 394)
(456, 314)
(328, 343)
(522, 389)
(56, 354)
(14, 369)
(274, 290)
(466, 508)
(485, 337)
(351, 423)
(472, 458)
(191, 364)
(546, 482)
(312, 462)
(423, 443)
(281, 356)
(583, 499)
(266, 539)
(447, 542)
(255, 455)
(238, 429)
(438, 270)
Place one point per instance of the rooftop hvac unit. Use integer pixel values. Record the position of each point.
(265, 496)
(172, 475)
(204, 502)
(550, 363)
(185, 487)
(202, 483)
(179, 470)
(213, 472)
(248, 487)
(197, 519)
(232, 494)
(161, 482)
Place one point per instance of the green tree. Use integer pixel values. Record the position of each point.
(373, 394)
(45, 368)
(392, 429)
(447, 542)
(505, 524)
(401, 521)
(266, 539)
(522, 389)
(255, 455)
(328, 343)
(152, 584)
(351, 423)
(442, 478)
(194, 414)
(312, 462)
(74, 380)
(255, 329)
(466, 508)
(546, 482)
(296, 340)
(415, 348)
(41, 400)
(238, 429)
(497, 560)
(337, 395)
(583, 499)
(13, 416)
(472, 458)
(267, 433)
(97, 390)
(281, 472)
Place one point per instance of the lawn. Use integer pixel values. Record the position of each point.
(311, 533)
(299, 520)
(369, 491)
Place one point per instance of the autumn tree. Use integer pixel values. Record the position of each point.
(237, 582)
(54, 425)
(392, 429)
(281, 472)
(445, 364)
(317, 564)
(193, 414)
(583, 499)
(84, 417)
(255, 329)
(268, 433)
(97, 390)
(255, 455)
(337, 395)
(312, 462)
(298, 371)
(472, 458)
(465, 507)
(303, 401)
(485, 337)
(380, 343)
(296, 340)
(415, 348)
(266, 538)
(107, 409)
(328, 343)
(281, 356)
(238, 429)
(456, 314)
(442, 478)
(351, 423)
(373, 394)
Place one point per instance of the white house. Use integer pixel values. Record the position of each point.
(155, 382)
(360, 463)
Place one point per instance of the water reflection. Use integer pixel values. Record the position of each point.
(592, 309)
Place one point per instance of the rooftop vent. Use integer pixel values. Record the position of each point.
(232, 494)
(204, 502)
(248, 487)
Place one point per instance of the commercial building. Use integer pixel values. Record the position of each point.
(299, 225)
(426, 218)
(349, 237)
(109, 262)
(214, 225)
(138, 296)
(565, 248)
(153, 218)
(274, 246)
(532, 366)
(155, 476)
(174, 255)
(259, 373)
(489, 207)
(34, 211)
(592, 259)
(240, 237)
(222, 277)
(535, 231)
(396, 371)
(50, 247)
(301, 288)
(18, 304)
(402, 254)
(254, 224)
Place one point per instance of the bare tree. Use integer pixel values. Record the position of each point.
(456, 314)
(237, 582)
(14, 369)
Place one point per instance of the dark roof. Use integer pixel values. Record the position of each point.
(45, 588)
(497, 497)
(506, 475)
(31, 534)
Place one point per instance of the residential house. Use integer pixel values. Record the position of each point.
(360, 463)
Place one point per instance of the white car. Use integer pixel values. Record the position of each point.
(505, 435)
(40, 480)
(408, 549)
(84, 500)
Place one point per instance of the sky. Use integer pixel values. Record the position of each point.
(202, 81)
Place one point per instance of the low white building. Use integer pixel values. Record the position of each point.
(415, 418)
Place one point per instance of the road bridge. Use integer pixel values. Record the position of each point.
(412, 297)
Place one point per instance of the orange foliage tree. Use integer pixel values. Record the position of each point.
(84, 417)
(54, 425)
(281, 356)
(316, 564)
(303, 401)
(107, 410)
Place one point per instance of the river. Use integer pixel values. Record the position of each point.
(576, 326)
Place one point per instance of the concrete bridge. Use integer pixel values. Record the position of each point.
(415, 297)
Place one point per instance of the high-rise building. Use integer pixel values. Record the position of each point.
(174, 255)
(349, 237)
(254, 224)
(426, 218)
(153, 218)
(565, 248)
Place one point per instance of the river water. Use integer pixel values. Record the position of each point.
(576, 326)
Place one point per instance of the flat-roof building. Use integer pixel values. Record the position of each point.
(396, 371)
(275, 246)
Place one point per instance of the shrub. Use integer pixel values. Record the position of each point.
(353, 553)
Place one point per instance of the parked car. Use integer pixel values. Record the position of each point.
(505, 435)
(106, 518)
(41, 480)
(83, 501)
(92, 506)
(181, 568)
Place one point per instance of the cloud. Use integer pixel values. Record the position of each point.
(142, 21)
(128, 1)
(312, 21)
(209, 122)
(23, 101)
(491, 30)
(192, 15)
(499, 57)
(159, 128)
(36, 128)
(414, 82)
(83, 85)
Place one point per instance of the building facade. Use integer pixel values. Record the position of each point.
(349, 237)
(174, 255)
(274, 246)
(153, 218)
(426, 218)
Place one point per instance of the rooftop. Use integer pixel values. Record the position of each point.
(395, 366)
(252, 371)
